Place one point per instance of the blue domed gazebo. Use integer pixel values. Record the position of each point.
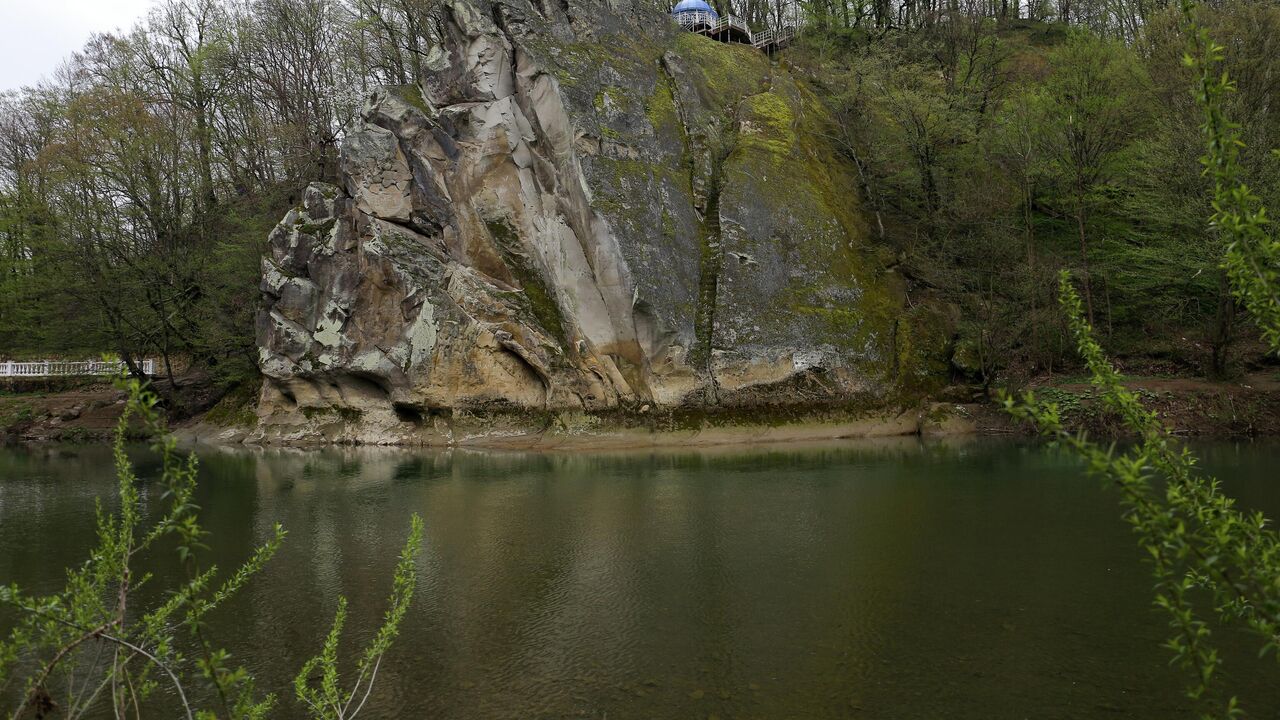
(688, 10)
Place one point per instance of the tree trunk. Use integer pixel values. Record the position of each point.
(1030, 234)
(204, 155)
(135, 366)
(1084, 256)
(1223, 326)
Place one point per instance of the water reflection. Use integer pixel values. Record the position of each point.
(893, 579)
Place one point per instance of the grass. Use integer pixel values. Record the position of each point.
(238, 408)
(15, 413)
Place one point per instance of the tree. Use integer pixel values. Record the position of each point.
(1092, 116)
(1016, 147)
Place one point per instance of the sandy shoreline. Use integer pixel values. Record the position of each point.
(936, 420)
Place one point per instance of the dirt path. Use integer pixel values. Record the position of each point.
(1260, 382)
(1247, 407)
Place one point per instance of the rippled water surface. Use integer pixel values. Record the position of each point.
(891, 580)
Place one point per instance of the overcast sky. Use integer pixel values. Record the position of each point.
(37, 35)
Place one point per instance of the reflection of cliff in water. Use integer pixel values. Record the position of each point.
(933, 579)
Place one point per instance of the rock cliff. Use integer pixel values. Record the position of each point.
(583, 212)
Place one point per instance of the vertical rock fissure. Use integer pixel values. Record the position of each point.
(720, 145)
(666, 77)
(708, 272)
(710, 253)
(709, 261)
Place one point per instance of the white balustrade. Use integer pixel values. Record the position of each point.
(60, 368)
(704, 22)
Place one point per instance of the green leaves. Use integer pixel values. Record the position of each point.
(1209, 559)
(93, 627)
(1252, 258)
(403, 584)
(329, 701)
(324, 703)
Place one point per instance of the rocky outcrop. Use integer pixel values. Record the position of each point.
(583, 210)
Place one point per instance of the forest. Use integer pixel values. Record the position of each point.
(996, 144)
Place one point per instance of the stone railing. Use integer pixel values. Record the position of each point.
(57, 368)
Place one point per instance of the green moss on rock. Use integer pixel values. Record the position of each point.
(921, 345)
(237, 408)
(731, 135)
(541, 302)
(769, 125)
(413, 95)
(725, 72)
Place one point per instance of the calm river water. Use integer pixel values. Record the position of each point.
(889, 580)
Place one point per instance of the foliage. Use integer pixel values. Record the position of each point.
(329, 701)
(995, 143)
(1209, 558)
(15, 413)
(94, 633)
(993, 153)
(1253, 252)
(138, 186)
(1090, 118)
(95, 643)
(238, 408)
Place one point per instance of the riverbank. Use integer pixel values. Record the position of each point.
(1189, 406)
(619, 431)
(60, 412)
(1193, 407)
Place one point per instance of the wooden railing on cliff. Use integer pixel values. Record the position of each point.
(728, 28)
(60, 368)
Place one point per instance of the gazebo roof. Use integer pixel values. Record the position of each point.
(685, 6)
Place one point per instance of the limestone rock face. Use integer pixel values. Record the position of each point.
(583, 209)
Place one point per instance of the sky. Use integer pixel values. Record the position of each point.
(37, 35)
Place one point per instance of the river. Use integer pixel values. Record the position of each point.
(896, 579)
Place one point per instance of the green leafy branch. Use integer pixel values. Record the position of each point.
(1202, 548)
(90, 644)
(89, 641)
(329, 701)
(1252, 257)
